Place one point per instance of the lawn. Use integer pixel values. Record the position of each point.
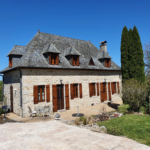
(134, 127)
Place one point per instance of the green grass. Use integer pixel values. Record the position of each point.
(134, 127)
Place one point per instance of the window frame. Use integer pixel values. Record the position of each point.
(75, 90)
(53, 58)
(75, 60)
(40, 90)
(107, 62)
(93, 89)
(10, 61)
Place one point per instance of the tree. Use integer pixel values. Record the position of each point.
(124, 54)
(138, 72)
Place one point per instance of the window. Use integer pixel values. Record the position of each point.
(10, 61)
(107, 62)
(91, 62)
(75, 90)
(75, 60)
(41, 93)
(92, 89)
(53, 59)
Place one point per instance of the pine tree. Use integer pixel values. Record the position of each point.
(124, 54)
(138, 61)
(131, 55)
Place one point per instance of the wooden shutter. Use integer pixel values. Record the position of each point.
(10, 61)
(57, 59)
(97, 89)
(112, 87)
(80, 88)
(35, 93)
(109, 63)
(71, 90)
(67, 95)
(54, 88)
(118, 87)
(11, 97)
(90, 89)
(109, 91)
(101, 89)
(47, 93)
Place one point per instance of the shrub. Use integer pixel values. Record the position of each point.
(77, 121)
(86, 120)
(134, 93)
(1, 110)
(143, 109)
(123, 108)
(115, 130)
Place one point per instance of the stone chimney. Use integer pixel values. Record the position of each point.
(103, 46)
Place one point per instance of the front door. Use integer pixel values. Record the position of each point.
(103, 92)
(60, 97)
(11, 97)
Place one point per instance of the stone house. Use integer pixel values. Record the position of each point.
(61, 72)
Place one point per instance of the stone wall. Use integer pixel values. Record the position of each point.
(13, 78)
(33, 77)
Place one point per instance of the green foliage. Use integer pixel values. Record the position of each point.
(115, 130)
(124, 53)
(143, 109)
(123, 108)
(134, 93)
(1, 110)
(138, 62)
(133, 126)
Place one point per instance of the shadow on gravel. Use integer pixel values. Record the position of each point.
(113, 105)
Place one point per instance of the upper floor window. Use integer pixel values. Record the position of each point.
(107, 62)
(53, 59)
(10, 61)
(75, 60)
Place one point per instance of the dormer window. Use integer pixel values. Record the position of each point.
(10, 61)
(53, 59)
(75, 60)
(91, 62)
(107, 62)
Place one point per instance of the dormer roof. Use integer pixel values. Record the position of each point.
(71, 51)
(102, 55)
(50, 48)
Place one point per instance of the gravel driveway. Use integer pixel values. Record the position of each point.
(54, 135)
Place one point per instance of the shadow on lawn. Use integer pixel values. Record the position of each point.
(114, 106)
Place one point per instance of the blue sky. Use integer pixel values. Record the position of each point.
(94, 20)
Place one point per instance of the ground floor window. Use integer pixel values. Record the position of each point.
(113, 87)
(76, 90)
(41, 93)
(92, 89)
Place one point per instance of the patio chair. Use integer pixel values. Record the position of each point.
(32, 112)
(46, 110)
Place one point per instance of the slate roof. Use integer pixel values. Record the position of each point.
(44, 42)
(102, 55)
(50, 48)
(17, 50)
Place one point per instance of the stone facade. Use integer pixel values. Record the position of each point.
(13, 78)
(32, 77)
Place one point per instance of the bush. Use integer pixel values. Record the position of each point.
(1, 110)
(123, 108)
(115, 130)
(77, 121)
(134, 93)
(86, 120)
(143, 109)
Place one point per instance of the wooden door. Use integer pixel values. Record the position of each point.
(109, 91)
(67, 96)
(11, 98)
(60, 97)
(54, 88)
(103, 92)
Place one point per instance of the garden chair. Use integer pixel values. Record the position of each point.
(46, 110)
(31, 112)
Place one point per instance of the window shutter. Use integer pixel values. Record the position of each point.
(67, 95)
(47, 93)
(118, 87)
(90, 89)
(109, 92)
(101, 89)
(112, 87)
(57, 59)
(97, 89)
(35, 93)
(80, 87)
(72, 92)
(54, 88)
(10, 61)
(77, 60)
(49, 58)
